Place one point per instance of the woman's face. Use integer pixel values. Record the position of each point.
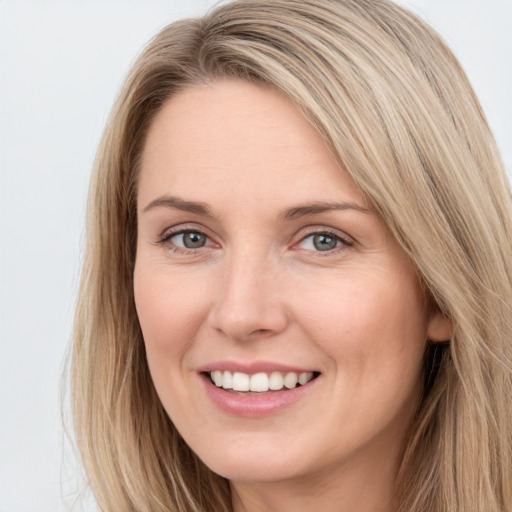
(259, 263)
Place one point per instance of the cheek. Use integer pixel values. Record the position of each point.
(170, 309)
(363, 320)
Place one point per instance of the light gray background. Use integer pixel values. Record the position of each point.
(61, 64)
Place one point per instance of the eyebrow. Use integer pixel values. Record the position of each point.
(320, 207)
(180, 204)
(296, 212)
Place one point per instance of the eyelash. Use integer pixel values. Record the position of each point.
(343, 240)
(165, 238)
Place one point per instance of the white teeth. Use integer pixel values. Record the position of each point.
(240, 381)
(291, 379)
(227, 380)
(259, 382)
(217, 378)
(275, 381)
(305, 377)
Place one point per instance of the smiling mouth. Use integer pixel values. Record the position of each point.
(240, 382)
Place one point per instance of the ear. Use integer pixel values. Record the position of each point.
(439, 327)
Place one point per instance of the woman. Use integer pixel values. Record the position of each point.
(298, 284)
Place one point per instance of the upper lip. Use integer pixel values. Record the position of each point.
(252, 367)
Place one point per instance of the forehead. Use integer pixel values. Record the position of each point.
(238, 138)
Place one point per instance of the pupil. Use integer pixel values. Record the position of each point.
(193, 240)
(324, 242)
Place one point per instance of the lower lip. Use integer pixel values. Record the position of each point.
(254, 406)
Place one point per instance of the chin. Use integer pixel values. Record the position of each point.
(262, 472)
(253, 464)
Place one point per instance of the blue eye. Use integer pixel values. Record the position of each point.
(187, 239)
(322, 242)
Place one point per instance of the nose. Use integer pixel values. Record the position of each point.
(249, 301)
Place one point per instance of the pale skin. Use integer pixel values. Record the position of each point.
(290, 265)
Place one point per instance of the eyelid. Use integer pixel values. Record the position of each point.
(169, 232)
(180, 228)
(346, 240)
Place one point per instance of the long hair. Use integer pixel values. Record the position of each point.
(398, 113)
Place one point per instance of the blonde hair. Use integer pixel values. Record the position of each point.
(396, 109)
